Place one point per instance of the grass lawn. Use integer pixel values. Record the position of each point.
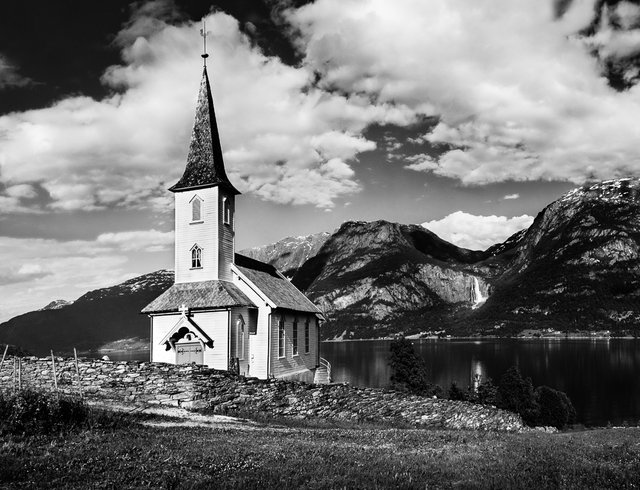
(270, 456)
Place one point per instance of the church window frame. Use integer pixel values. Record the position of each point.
(295, 338)
(226, 211)
(281, 338)
(307, 336)
(240, 345)
(196, 257)
(197, 210)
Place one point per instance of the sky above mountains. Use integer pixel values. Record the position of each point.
(468, 118)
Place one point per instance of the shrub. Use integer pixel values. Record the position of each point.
(408, 370)
(32, 412)
(516, 394)
(456, 393)
(555, 408)
(487, 393)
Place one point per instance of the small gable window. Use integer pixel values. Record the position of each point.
(196, 257)
(226, 211)
(196, 209)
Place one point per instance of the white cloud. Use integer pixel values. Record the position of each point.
(284, 140)
(518, 96)
(477, 232)
(511, 196)
(9, 75)
(35, 271)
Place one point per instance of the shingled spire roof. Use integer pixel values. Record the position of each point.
(205, 167)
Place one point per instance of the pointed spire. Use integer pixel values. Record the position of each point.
(205, 166)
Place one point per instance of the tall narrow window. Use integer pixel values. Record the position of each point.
(196, 257)
(281, 337)
(226, 211)
(295, 336)
(240, 339)
(306, 336)
(196, 209)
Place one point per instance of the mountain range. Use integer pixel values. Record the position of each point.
(576, 268)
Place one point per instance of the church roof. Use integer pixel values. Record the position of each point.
(205, 166)
(198, 296)
(274, 285)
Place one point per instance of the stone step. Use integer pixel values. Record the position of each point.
(321, 376)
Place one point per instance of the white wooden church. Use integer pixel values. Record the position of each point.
(225, 310)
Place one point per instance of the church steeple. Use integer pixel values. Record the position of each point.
(205, 165)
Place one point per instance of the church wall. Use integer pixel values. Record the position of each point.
(226, 232)
(216, 326)
(258, 343)
(204, 233)
(239, 349)
(161, 324)
(291, 364)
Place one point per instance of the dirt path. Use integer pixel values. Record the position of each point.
(177, 417)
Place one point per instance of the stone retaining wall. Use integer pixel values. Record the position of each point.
(193, 386)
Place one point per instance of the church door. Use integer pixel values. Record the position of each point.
(190, 353)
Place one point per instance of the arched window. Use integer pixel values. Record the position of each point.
(226, 211)
(196, 257)
(196, 209)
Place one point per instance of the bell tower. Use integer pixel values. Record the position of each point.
(204, 200)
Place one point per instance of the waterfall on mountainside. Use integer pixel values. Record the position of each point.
(476, 294)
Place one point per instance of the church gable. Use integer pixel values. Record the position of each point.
(185, 330)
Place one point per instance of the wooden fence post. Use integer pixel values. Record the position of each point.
(3, 357)
(19, 373)
(55, 377)
(14, 374)
(75, 354)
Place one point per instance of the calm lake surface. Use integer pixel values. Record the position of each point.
(602, 377)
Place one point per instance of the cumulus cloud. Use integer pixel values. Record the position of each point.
(477, 232)
(518, 95)
(283, 139)
(511, 196)
(48, 269)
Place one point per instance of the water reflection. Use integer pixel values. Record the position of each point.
(600, 375)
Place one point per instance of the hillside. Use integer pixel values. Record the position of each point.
(97, 317)
(576, 268)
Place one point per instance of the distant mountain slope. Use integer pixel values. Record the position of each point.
(375, 279)
(288, 254)
(576, 267)
(95, 318)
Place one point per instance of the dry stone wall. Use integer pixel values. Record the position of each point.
(193, 386)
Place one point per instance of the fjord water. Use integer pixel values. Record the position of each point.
(601, 376)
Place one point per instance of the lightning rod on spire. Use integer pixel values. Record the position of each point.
(204, 33)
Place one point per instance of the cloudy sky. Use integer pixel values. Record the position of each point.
(468, 117)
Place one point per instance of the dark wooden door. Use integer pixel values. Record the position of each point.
(190, 353)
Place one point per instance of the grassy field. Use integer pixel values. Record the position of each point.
(131, 455)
